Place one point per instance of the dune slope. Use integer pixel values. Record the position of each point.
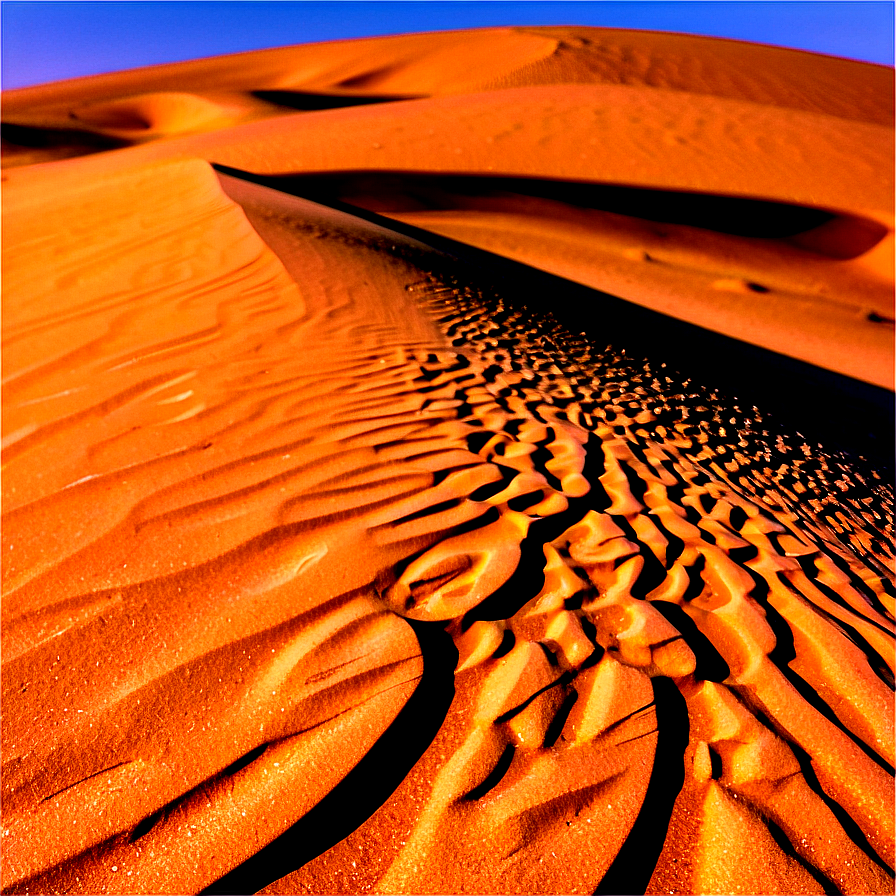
(341, 558)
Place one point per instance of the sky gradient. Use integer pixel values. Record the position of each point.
(49, 41)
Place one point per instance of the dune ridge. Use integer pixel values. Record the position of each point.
(298, 507)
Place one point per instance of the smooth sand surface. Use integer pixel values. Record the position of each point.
(339, 559)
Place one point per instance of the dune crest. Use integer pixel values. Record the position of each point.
(342, 556)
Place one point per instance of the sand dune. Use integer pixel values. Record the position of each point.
(638, 135)
(342, 557)
(470, 61)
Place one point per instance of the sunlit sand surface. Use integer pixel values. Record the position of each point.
(454, 463)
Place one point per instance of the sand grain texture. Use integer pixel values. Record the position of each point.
(340, 558)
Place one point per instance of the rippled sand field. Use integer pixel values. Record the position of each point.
(453, 463)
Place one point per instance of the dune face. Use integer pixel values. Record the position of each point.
(450, 463)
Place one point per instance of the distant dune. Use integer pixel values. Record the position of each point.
(451, 463)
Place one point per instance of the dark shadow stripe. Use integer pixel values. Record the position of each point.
(784, 844)
(784, 653)
(634, 864)
(493, 779)
(369, 784)
(849, 825)
(26, 136)
(711, 665)
(734, 215)
(315, 102)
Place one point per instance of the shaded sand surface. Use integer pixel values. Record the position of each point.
(339, 558)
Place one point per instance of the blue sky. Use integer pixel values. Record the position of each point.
(47, 41)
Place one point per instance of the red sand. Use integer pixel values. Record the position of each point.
(246, 438)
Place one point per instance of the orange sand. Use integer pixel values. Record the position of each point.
(262, 457)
